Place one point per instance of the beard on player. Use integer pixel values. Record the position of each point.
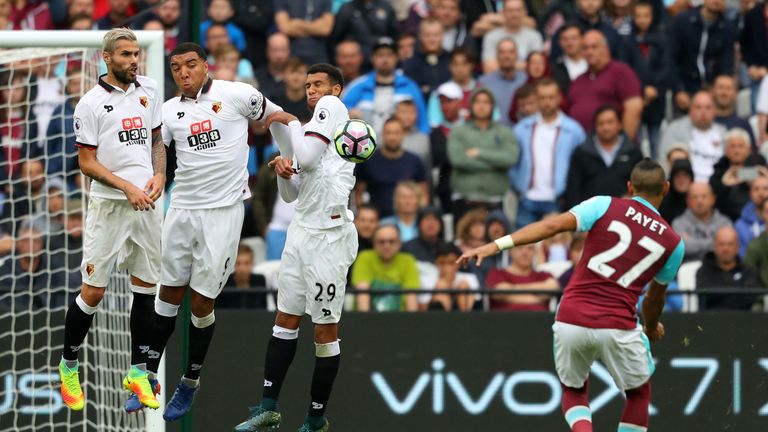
(127, 75)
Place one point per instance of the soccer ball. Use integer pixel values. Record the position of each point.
(355, 141)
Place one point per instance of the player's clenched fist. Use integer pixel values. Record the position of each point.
(283, 167)
(656, 333)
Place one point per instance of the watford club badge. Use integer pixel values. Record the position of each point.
(89, 269)
(144, 101)
(216, 107)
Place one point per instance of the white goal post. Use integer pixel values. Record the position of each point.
(31, 336)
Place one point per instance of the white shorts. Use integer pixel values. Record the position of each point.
(625, 353)
(200, 247)
(116, 234)
(313, 272)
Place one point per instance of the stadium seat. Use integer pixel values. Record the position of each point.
(428, 275)
(686, 280)
(258, 247)
(270, 270)
(744, 103)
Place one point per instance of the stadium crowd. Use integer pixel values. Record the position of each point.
(490, 115)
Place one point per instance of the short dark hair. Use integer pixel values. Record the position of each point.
(186, 47)
(646, 3)
(243, 249)
(526, 91)
(368, 206)
(606, 108)
(547, 81)
(467, 53)
(392, 120)
(334, 73)
(648, 178)
(445, 249)
(571, 25)
(294, 63)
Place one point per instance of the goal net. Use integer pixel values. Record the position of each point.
(43, 201)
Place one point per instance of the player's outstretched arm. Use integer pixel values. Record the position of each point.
(92, 168)
(653, 305)
(528, 234)
(306, 149)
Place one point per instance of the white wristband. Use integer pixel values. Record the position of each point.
(505, 242)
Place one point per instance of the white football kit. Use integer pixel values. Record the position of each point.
(118, 126)
(321, 242)
(202, 227)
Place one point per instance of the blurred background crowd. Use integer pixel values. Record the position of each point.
(490, 115)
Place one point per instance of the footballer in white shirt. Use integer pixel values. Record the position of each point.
(208, 125)
(117, 132)
(320, 246)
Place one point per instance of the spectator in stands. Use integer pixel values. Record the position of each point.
(471, 233)
(79, 7)
(680, 180)
(429, 64)
(270, 76)
(415, 141)
(408, 198)
(507, 79)
(724, 92)
(349, 58)
(547, 141)
(424, 246)
(119, 11)
(308, 23)
(30, 15)
(18, 124)
(6, 242)
(374, 97)
(480, 151)
(417, 11)
(24, 274)
(525, 102)
(365, 21)
(450, 96)
(28, 195)
(294, 98)
(761, 106)
(699, 222)
(450, 277)
(520, 275)
(619, 14)
(168, 13)
(5, 15)
(588, 18)
(575, 250)
(243, 280)
(754, 51)
(527, 40)
(723, 268)
(82, 22)
(651, 62)
(756, 256)
(385, 267)
(607, 82)
(461, 65)
(406, 46)
(258, 212)
(221, 12)
(601, 166)
(751, 223)
(701, 42)
(226, 56)
(571, 63)
(734, 171)
(456, 33)
(697, 134)
(366, 221)
(496, 225)
(49, 219)
(255, 18)
(386, 168)
(60, 144)
(66, 244)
